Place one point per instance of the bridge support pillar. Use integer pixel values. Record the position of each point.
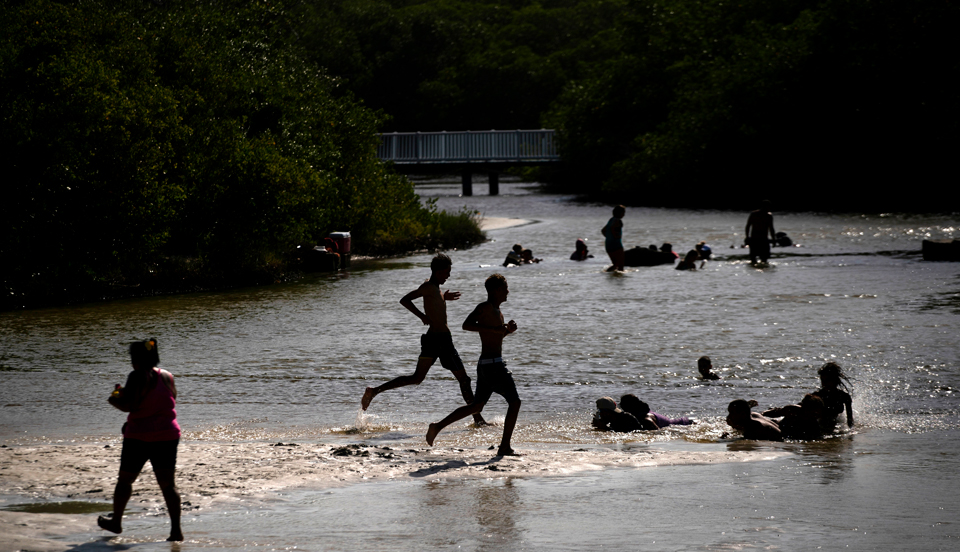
(467, 183)
(494, 183)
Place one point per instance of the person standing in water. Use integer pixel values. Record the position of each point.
(151, 433)
(759, 225)
(613, 234)
(437, 342)
(492, 373)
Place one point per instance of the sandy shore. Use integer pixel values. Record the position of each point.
(498, 223)
(211, 472)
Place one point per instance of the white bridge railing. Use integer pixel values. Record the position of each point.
(490, 146)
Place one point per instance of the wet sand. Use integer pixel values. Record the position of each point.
(211, 473)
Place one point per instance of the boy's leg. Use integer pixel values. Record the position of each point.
(423, 366)
(467, 394)
(509, 423)
(457, 414)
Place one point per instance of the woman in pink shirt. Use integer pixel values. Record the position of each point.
(151, 433)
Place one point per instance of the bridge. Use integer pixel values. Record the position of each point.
(468, 152)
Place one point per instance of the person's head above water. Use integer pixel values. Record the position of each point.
(144, 354)
(607, 403)
(741, 407)
(832, 376)
(619, 211)
(691, 256)
(704, 365)
(581, 245)
(517, 248)
(632, 404)
(666, 247)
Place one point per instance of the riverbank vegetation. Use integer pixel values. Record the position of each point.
(181, 145)
(816, 104)
(205, 139)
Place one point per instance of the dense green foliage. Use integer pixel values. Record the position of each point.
(146, 142)
(672, 102)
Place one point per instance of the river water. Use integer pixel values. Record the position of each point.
(292, 360)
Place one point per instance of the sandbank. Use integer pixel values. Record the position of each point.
(210, 472)
(499, 223)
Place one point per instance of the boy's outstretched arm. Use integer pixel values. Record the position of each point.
(407, 302)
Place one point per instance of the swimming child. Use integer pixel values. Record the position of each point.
(834, 394)
(581, 253)
(689, 262)
(437, 342)
(492, 374)
(515, 256)
(650, 420)
(799, 421)
(704, 365)
(527, 257)
(751, 424)
(609, 417)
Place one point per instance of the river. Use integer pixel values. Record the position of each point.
(291, 361)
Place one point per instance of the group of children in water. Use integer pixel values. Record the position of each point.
(815, 415)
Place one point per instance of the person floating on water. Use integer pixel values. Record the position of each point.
(834, 394)
(609, 417)
(437, 342)
(640, 410)
(580, 253)
(704, 365)
(492, 373)
(751, 424)
(759, 225)
(151, 433)
(527, 257)
(613, 234)
(799, 421)
(515, 256)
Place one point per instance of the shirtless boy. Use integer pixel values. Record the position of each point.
(759, 224)
(492, 373)
(751, 424)
(437, 342)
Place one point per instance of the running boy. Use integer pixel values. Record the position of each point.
(492, 373)
(437, 342)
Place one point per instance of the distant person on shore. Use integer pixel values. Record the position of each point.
(834, 393)
(704, 251)
(514, 257)
(613, 238)
(650, 420)
(581, 253)
(704, 366)
(689, 262)
(759, 226)
(437, 342)
(492, 374)
(799, 421)
(151, 433)
(751, 424)
(527, 257)
(609, 417)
